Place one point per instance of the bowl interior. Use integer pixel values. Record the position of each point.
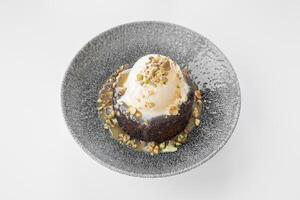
(208, 67)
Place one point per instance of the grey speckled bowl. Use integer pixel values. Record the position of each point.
(209, 69)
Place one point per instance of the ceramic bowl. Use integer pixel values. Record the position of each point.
(208, 67)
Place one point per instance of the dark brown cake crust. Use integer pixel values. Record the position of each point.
(158, 129)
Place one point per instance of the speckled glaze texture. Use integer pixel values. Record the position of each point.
(208, 67)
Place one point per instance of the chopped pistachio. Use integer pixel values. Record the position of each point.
(126, 138)
(138, 114)
(178, 94)
(154, 69)
(109, 123)
(139, 77)
(132, 110)
(149, 104)
(156, 149)
(165, 73)
(100, 107)
(147, 81)
(123, 138)
(106, 126)
(111, 115)
(152, 148)
(173, 110)
(156, 59)
(109, 93)
(195, 113)
(114, 121)
(197, 94)
(169, 148)
(180, 137)
(121, 91)
(166, 65)
(162, 145)
(197, 122)
(164, 80)
(118, 72)
(177, 144)
(131, 143)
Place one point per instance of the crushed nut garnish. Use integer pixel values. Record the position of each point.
(111, 115)
(178, 94)
(121, 91)
(156, 149)
(162, 145)
(177, 144)
(106, 126)
(195, 113)
(147, 81)
(181, 138)
(173, 110)
(138, 114)
(139, 77)
(123, 138)
(197, 122)
(197, 94)
(100, 107)
(110, 93)
(164, 80)
(132, 144)
(169, 148)
(149, 104)
(156, 59)
(114, 121)
(155, 72)
(166, 65)
(152, 148)
(132, 110)
(109, 123)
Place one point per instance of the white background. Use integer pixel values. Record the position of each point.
(40, 160)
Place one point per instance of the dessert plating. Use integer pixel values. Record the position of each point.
(152, 106)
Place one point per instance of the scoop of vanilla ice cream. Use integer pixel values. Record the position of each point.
(151, 100)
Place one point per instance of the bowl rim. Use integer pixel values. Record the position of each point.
(134, 174)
